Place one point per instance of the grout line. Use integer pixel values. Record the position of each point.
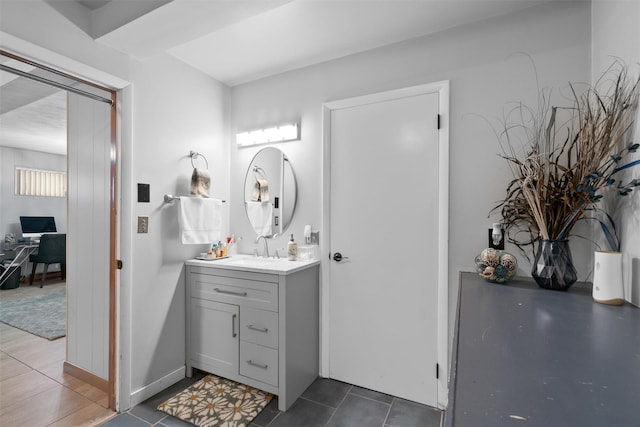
(159, 422)
(386, 418)
(274, 418)
(318, 403)
(339, 404)
(141, 419)
(374, 400)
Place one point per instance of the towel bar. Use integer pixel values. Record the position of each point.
(169, 198)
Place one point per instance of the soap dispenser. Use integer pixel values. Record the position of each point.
(292, 249)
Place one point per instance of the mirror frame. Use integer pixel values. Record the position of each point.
(249, 173)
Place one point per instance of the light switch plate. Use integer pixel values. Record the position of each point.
(144, 193)
(143, 224)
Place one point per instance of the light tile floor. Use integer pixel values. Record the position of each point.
(326, 402)
(34, 389)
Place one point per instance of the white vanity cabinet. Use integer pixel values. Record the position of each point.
(256, 326)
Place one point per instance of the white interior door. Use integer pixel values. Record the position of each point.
(383, 295)
(88, 237)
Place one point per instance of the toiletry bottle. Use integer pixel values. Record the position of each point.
(233, 246)
(292, 249)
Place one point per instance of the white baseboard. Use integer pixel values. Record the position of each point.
(156, 387)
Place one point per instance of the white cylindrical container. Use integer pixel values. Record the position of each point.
(607, 278)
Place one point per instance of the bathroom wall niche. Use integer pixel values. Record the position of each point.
(270, 191)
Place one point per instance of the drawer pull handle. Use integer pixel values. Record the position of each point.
(233, 325)
(255, 328)
(222, 291)
(257, 365)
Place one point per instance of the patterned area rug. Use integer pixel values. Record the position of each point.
(215, 401)
(42, 315)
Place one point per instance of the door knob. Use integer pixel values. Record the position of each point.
(338, 257)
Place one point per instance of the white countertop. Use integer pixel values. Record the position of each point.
(255, 264)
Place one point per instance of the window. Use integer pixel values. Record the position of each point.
(35, 182)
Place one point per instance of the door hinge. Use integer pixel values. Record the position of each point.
(437, 371)
(119, 264)
(438, 120)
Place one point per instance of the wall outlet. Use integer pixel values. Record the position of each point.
(143, 224)
(500, 245)
(315, 237)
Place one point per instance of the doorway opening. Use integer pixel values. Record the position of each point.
(35, 82)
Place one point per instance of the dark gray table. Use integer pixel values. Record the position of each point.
(526, 356)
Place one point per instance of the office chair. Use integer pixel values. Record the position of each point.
(52, 250)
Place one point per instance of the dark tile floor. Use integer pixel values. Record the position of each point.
(326, 402)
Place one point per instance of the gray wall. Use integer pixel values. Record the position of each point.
(486, 72)
(14, 206)
(616, 33)
(173, 109)
(176, 109)
(167, 109)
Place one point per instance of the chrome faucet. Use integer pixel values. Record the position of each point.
(266, 246)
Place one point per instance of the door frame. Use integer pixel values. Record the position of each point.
(442, 88)
(119, 368)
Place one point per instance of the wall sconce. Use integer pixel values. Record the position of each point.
(275, 134)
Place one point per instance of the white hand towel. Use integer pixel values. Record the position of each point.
(260, 216)
(200, 220)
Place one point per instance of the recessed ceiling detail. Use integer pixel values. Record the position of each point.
(238, 41)
(243, 40)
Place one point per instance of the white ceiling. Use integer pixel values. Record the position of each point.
(38, 126)
(33, 116)
(239, 41)
(243, 40)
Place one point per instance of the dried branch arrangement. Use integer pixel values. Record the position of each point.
(562, 166)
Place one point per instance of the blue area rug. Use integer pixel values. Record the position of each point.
(41, 315)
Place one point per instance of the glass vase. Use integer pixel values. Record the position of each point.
(553, 266)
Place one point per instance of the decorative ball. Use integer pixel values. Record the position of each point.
(496, 266)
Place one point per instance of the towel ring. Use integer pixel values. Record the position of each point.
(194, 155)
(258, 170)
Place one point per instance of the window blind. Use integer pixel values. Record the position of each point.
(37, 182)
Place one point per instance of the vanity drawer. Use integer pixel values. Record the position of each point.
(246, 293)
(259, 326)
(259, 362)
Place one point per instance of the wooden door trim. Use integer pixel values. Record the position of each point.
(442, 88)
(113, 252)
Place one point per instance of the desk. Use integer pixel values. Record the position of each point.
(19, 256)
(526, 356)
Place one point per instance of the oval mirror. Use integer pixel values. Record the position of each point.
(270, 191)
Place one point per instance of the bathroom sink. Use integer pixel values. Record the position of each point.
(255, 264)
(254, 261)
